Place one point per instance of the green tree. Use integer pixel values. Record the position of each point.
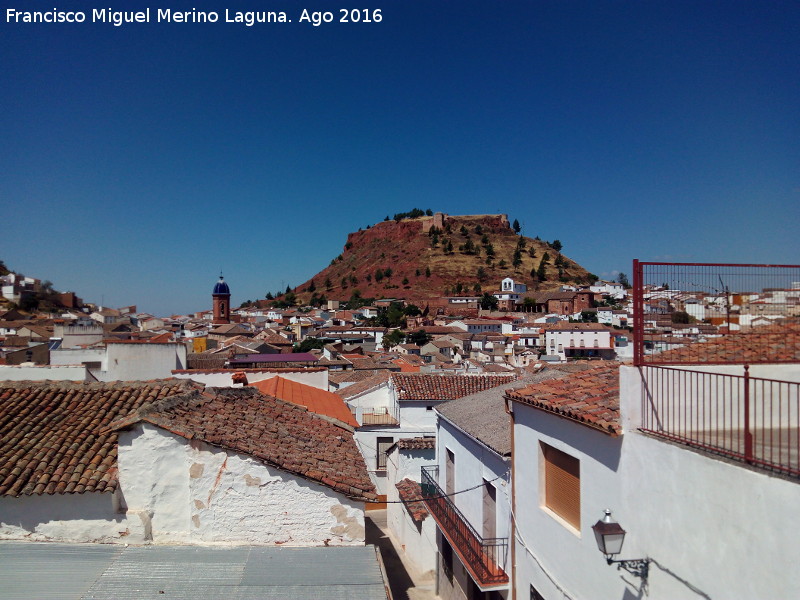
(478, 229)
(622, 279)
(269, 296)
(419, 337)
(328, 284)
(481, 274)
(427, 271)
(405, 281)
(532, 252)
(516, 226)
(378, 274)
(488, 302)
(541, 272)
(429, 212)
(312, 287)
(556, 245)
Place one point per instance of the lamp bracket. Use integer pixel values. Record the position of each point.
(636, 566)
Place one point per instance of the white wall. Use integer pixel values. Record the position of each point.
(569, 555)
(42, 372)
(87, 517)
(196, 493)
(367, 441)
(475, 463)
(142, 362)
(223, 378)
(417, 540)
(714, 529)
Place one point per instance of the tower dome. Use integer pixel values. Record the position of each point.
(221, 287)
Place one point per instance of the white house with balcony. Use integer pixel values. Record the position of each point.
(701, 491)
(468, 494)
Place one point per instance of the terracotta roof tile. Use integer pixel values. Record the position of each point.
(779, 342)
(366, 385)
(410, 494)
(590, 397)
(416, 386)
(314, 399)
(422, 443)
(278, 433)
(54, 438)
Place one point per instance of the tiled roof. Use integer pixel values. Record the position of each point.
(350, 376)
(411, 493)
(590, 397)
(314, 399)
(770, 343)
(424, 443)
(278, 433)
(416, 386)
(367, 385)
(52, 437)
(270, 358)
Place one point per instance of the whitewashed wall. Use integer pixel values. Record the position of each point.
(367, 441)
(714, 529)
(142, 362)
(417, 540)
(88, 517)
(42, 372)
(195, 493)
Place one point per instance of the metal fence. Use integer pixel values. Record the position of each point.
(752, 419)
(741, 314)
(482, 556)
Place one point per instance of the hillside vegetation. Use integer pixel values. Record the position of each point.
(469, 255)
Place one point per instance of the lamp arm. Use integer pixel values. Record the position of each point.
(635, 566)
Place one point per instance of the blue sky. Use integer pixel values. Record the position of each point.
(138, 161)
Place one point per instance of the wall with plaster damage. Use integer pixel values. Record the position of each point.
(191, 492)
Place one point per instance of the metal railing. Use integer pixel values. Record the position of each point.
(376, 416)
(740, 313)
(482, 557)
(752, 419)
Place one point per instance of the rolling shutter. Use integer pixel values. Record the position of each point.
(562, 483)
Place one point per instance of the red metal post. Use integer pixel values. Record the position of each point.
(638, 330)
(748, 436)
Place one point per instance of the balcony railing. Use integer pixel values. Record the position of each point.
(481, 556)
(375, 416)
(745, 418)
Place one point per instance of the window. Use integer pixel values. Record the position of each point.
(384, 443)
(535, 595)
(450, 472)
(447, 560)
(562, 485)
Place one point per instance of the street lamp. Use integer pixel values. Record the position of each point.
(610, 536)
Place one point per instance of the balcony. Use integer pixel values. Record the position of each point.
(749, 419)
(375, 416)
(482, 557)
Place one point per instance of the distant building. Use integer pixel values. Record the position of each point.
(222, 302)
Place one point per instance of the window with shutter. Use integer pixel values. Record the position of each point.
(562, 485)
(384, 443)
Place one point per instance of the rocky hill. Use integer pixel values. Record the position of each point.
(423, 258)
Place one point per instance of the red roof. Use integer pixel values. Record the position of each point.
(590, 397)
(314, 399)
(278, 433)
(416, 386)
(54, 437)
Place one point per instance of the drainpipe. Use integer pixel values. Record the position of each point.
(513, 574)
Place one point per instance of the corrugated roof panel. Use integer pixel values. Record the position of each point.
(85, 571)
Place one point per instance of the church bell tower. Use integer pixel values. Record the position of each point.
(222, 302)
